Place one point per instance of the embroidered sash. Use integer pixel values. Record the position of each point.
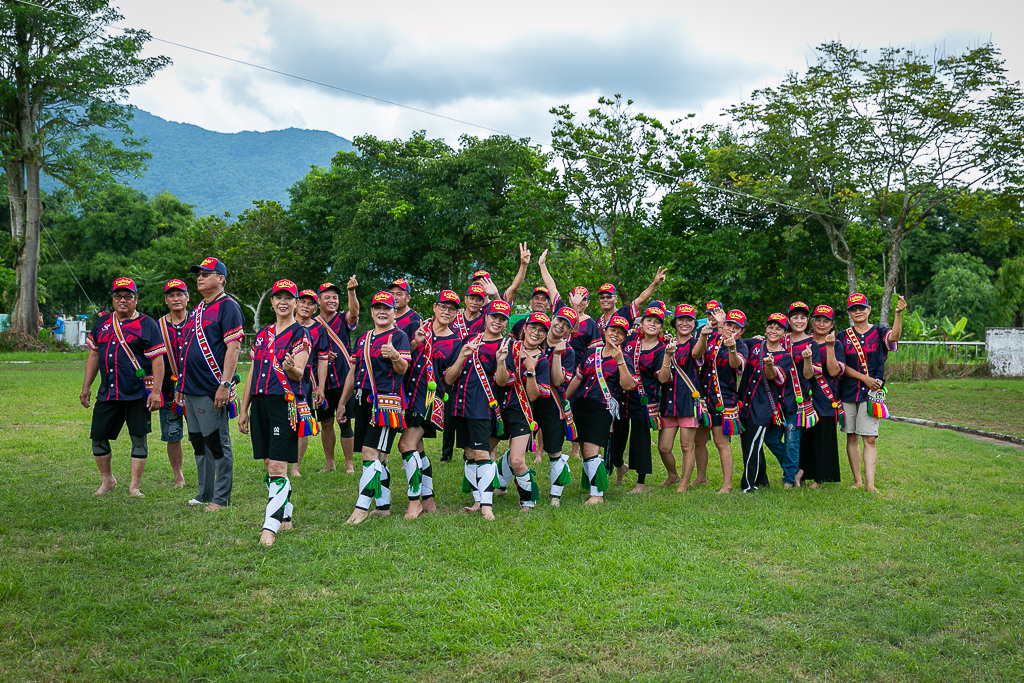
(519, 387)
(806, 415)
(482, 376)
(653, 416)
(700, 407)
(610, 403)
(336, 339)
(147, 380)
(388, 409)
(876, 398)
(211, 360)
(179, 408)
(300, 418)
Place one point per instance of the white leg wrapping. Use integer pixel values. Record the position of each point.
(384, 502)
(590, 472)
(413, 474)
(371, 468)
(558, 465)
(427, 482)
(505, 474)
(525, 487)
(277, 496)
(486, 471)
(469, 471)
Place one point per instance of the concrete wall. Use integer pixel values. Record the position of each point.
(1005, 348)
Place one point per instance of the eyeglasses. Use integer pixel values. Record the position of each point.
(123, 297)
(605, 296)
(857, 309)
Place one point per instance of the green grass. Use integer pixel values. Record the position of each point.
(44, 357)
(994, 405)
(921, 582)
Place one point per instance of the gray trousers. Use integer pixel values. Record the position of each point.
(210, 434)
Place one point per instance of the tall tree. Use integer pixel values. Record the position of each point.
(885, 142)
(64, 74)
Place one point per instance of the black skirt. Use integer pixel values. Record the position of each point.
(593, 422)
(819, 451)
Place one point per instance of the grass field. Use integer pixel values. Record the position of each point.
(922, 582)
(995, 405)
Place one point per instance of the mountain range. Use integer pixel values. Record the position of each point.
(218, 172)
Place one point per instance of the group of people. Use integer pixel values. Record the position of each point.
(631, 376)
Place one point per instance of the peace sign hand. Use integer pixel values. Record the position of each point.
(502, 352)
(659, 276)
(524, 253)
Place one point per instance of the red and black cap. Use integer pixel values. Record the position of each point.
(799, 306)
(211, 265)
(606, 288)
(713, 305)
(328, 286)
(500, 307)
(778, 319)
(737, 317)
(542, 290)
(476, 290)
(308, 294)
(175, 285)
(857, 299)
(124, 283)
(447, 296)
(285, 286)
(685, 311)
(618, 321)
(825, 311)
(581, 291)
(655, 312)
(540, 319)
(402, 284)
(482, 275)
(568, 314)
(383, 299)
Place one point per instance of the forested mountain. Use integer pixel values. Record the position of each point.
(219, 172)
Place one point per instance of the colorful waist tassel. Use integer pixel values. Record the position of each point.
(808, 416)
(731, 421)
(571, 432)
(232, 409)
(307, 423)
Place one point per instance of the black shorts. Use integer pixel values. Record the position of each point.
(550, 424)
(593, 422)
(109, 416)
(366, 434)
(272, 435)
(327, 414)
(422, 421)
(514, 424)
(473, 434)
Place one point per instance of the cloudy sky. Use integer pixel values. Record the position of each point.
(503, 66)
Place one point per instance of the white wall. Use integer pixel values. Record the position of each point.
(1005, 348)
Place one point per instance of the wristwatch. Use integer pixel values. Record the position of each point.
(529, 373)
(226, 385)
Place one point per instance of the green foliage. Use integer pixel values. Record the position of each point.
(1010, 291)
(962, 287)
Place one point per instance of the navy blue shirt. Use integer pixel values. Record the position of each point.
(822, 402)
(117, 373)
(590, 387)
(337, 369)
(386, 379)
(876, 347)
(727, 376)
(756, 387)
(797, 350)
(568, 369)
(645, 364)
(409, 322)
(470, 397)
(320, 349)
(175, 343)
(677, 398)
(293, 340)
(543, 378)
(221, 324)
(444, 351)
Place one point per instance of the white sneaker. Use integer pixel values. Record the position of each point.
(196, 501)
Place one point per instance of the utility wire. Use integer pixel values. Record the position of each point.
(330, 86)
(70, 270)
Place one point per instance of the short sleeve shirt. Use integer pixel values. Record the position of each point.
(221, 323)
(798, 371)
(409, 322)
(646, 364)
(117, 372)
(337, 369)
(568, 369)
(470, 396)
(590, 386)
(444, 351)
(822, 401)
(543, 379)
(386, 379)
(718, 353)
(756, 387)
(175, 343)
(677, 398)
(269, 346)
(876, 347)
(320, 350)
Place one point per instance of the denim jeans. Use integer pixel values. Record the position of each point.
(784, 442)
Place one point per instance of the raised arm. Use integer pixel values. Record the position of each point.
(524, 263)
(352, 314)
(638, 303)
(897, 323)
(549, 281)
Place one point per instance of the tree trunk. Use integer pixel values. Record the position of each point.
(841, 250)
(25, 314)
(256, 312)
(892, 275)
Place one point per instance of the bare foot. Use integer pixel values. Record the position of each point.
(525, 508)
(594, 500)
(798, 478)
(725, 489)
(639, 488)
(179, 483)
(787, 486)
(620, 472)
(813, 485)
(556, 502)
(871, 489)
(357, 517)
(501, 492)
(105, 486)
(294, 473)
(485, 510)
(285, 526)
(350, 469)
(857, 485)
(475, 507)
(683, 488)
(329, 467)
(672, 480)
(698, 482)
(135, 492)
(429, 505)
(380, 513)
(414, 510)
(267, 537)
(213, 507)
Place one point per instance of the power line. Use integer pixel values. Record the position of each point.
(552, 145)
(70, 270)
